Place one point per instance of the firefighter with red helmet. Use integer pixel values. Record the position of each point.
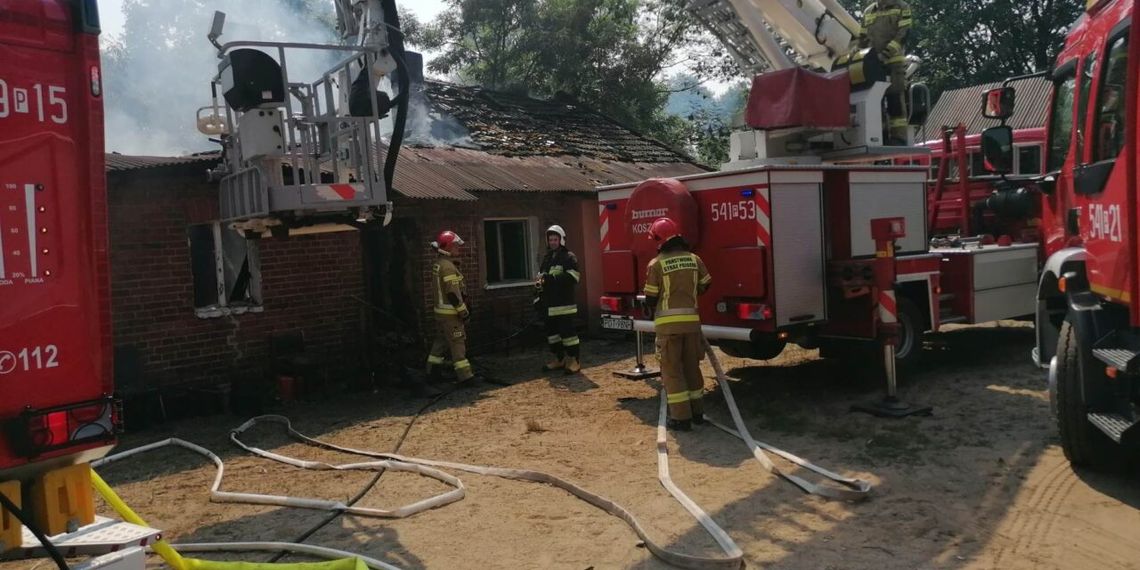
(558, 277)
(450, 309)
(676, 277)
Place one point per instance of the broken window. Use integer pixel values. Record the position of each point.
(226, 271)
(507, 250)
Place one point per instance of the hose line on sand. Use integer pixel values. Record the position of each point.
(847, 489)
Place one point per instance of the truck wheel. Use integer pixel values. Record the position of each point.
(1083, 443)
(911, 329)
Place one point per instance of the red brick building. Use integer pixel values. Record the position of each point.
(496, 168)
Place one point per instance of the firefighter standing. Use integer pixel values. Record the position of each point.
(450, 311)
(557, 280)
(886, 24)
(675, 279)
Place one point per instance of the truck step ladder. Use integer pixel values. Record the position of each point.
(104, 536)
(1116, 426)
(1123, 359)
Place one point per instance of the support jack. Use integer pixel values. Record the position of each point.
(891, 406)
(640, 371)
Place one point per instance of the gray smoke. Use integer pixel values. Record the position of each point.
(157, 74)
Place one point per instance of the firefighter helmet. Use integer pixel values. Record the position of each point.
(663, 230)
(557, 229)
(446, 240)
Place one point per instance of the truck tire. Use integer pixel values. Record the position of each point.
(1084, 445)
(911, 328)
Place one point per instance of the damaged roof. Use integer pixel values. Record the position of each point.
(517, 125)
(473, 140)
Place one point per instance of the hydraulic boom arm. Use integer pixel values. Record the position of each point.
(759, 33)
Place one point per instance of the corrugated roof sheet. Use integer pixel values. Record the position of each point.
(116, 162)
(458, 173)
(965, 106)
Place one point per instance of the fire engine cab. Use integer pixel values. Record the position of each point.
(1087, 314)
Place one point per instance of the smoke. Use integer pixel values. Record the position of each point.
(427, 127)
(157, 73)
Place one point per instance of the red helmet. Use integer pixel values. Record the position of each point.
(446, 239)
(663, 230)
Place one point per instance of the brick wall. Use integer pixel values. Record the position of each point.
(497, 312)
(307, 283)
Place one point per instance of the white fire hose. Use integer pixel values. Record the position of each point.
(850, 489)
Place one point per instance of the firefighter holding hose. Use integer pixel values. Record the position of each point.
(676, 277)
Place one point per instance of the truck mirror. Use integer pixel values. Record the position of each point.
(997, 149)
(919, 104)
(998, 103)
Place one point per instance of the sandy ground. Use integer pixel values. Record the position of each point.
(980, 484)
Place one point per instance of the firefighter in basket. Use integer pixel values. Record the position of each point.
(555, 295)
(886, 25)
(676, 277)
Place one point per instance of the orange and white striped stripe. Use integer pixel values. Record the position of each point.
(604, 224)
(888, 307)
(763, 217)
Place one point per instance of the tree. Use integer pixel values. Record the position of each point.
(608, 54)
(966, 42)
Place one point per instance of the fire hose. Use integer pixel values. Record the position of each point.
(848, 488)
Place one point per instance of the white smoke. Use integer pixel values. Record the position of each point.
(158, 73)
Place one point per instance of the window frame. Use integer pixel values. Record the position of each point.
(1119, 34)
(1064, 73)
(530, 224)
(1018, 148)
(223, 305)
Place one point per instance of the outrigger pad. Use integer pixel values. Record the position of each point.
(640, 372)
(892, 408)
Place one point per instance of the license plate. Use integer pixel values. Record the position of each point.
(617, 323)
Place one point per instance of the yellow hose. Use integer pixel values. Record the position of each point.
(177, 562)
(163, 548)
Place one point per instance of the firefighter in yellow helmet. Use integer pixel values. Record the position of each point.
(450, 310)
(676, 278)
(886, 25)
(557, 279)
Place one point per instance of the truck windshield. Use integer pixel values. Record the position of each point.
(1061, 122)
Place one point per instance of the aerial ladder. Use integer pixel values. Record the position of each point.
(309, 151)
(765, 36)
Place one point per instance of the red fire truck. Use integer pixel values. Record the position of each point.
(1088, 320)
(795, 227)
(56, 407)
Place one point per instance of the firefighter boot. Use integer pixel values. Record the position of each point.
(556, 363)
(572, 365)
(679, 425)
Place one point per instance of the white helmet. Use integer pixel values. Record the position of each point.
(557, 229)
